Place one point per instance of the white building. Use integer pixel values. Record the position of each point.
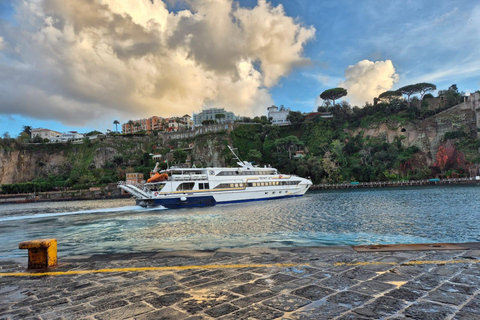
(209, 114)
(278, 116)
(71, 136)
(44, 133)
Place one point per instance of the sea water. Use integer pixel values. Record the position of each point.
(320, 218)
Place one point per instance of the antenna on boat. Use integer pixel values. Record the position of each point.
(241, 163)
(238, 158)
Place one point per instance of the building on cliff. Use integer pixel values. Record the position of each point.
(71, 136)
(278, 116)
(158, 124)
(44, 133)
(473, 102)
(210, 114)
(150, 124)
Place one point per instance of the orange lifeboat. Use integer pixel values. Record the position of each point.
(158, 177)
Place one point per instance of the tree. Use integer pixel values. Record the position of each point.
(390, 95)
(180, 155)
(27, 130)
(448, 157)
(220, 117)
(295, 117)
(287, 143)
(425, 87)
(428, 96)
(23, 137)
(254, 156)
(130, 126)
(116, 122)
(333, 94)
(451, 97)
(408, 91)
(93, 133)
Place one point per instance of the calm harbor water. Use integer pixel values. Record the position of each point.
(320, 218)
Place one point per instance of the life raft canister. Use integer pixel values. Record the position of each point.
(158, 177)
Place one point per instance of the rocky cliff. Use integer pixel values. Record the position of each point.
(429, 134)
(22, 163)
(25, 165)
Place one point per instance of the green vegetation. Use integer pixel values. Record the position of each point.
(332, 149)
(336, 150)
(333, 94)
(92, 163)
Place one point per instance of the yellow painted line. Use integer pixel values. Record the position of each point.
(172, 268)
(409, 263)
(370, 263)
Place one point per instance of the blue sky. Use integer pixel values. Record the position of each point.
(46, 65)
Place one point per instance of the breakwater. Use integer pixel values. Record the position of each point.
(379, 184)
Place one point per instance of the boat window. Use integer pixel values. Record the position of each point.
(224, 186)
(186, 186)
(203, 186)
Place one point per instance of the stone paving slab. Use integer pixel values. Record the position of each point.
(257, 283)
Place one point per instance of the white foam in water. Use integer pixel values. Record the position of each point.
(103, 210)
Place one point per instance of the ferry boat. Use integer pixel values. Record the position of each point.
(195, 187)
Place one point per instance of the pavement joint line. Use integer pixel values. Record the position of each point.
(409, 263)
(167, 268)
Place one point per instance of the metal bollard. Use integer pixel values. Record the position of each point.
(42, 253)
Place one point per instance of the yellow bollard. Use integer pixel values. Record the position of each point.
(42, 253)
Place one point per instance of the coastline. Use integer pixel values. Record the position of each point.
(96, 193)
(112, 192)
(402, 183)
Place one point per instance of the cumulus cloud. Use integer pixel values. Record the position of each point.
(77, 60)
(367, 79)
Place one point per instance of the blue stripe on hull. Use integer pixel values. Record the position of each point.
(205, 201)
(174, 203)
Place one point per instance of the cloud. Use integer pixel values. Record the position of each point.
(76, 60)
(367, 79)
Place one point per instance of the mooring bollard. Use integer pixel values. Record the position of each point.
(42, 253)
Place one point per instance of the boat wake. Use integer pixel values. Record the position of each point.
(92, 211)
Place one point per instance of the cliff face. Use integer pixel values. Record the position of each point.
(428, 134)
(207, 151)
(25, 165)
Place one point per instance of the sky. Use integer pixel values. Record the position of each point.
(81, 64)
